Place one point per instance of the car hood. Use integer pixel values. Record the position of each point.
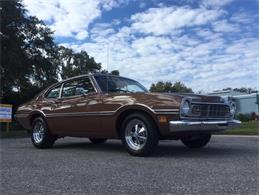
(162, 100)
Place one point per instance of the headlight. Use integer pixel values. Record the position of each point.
(185, 108)
(232, 108)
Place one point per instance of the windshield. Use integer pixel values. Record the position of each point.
(119, 84)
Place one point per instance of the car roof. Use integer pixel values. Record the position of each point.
(93, 74)
(85, 75)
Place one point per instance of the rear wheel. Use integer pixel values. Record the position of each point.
(139, 134)
(40, 135)
(197, 141)
(97, 140)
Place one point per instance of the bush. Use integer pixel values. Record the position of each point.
(247, 117)
(13, 126)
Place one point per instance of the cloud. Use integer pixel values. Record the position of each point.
(69, 18)
(166, 20)
(201, 64)
(225, 26)
(155, 45)
(204, 46)
(215, 3)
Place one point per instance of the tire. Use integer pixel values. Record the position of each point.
(97, 140)
(40, 134)
(196, 142)
(139, 134)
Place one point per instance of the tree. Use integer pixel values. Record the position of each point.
(180, 87)
(28, 47)
(158, 87)
(115, 72)
(169, 87)
(73, 64)
(32, 60)
(247, 90)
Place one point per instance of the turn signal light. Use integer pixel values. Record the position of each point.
(162, 119)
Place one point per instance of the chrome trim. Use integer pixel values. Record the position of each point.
(181, 104)
(76, 114)
(77, 96)
(136, 104)
(91, 80)
(98, 113)
(167, 113)
(61, 89)
(214, 103)
(185, 125)
(205, 118)
(95, 83)
(196, 116)
(166, 110)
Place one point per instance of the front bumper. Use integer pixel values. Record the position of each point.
(185, 125)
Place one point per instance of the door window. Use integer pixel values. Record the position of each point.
(77, 87)
(54, 93)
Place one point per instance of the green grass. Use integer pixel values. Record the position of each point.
(247, 128)
(14, 134)
(15, 130)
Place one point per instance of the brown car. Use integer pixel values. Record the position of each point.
(104, 107)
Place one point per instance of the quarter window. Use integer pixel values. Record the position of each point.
(54, 93)
(77, 87)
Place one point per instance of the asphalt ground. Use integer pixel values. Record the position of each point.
(228, 165)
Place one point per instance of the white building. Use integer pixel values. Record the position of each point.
(245, 103)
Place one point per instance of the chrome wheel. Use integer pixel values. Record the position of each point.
(38, 132)
(136, 134)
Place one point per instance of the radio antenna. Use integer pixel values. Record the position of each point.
(107, 64)
(107, 56)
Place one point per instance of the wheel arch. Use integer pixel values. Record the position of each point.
(36, 114)
(127, 110)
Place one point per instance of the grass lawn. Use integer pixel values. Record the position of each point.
(14, 134)
(247, 128)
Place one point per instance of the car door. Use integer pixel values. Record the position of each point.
(49, 104)
(72, 114)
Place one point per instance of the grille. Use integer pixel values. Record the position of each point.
(210, 110)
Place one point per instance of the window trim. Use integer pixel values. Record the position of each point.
(73, 96)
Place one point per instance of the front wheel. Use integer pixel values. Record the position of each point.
(139, 134)
(198, 141)
(40, 135)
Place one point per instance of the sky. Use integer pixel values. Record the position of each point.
(206, 44)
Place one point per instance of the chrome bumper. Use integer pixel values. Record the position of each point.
(181, 126)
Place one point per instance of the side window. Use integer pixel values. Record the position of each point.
(77, 87)
(54, 93)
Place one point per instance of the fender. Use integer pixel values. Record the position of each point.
(135, 106)
(34, 113)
